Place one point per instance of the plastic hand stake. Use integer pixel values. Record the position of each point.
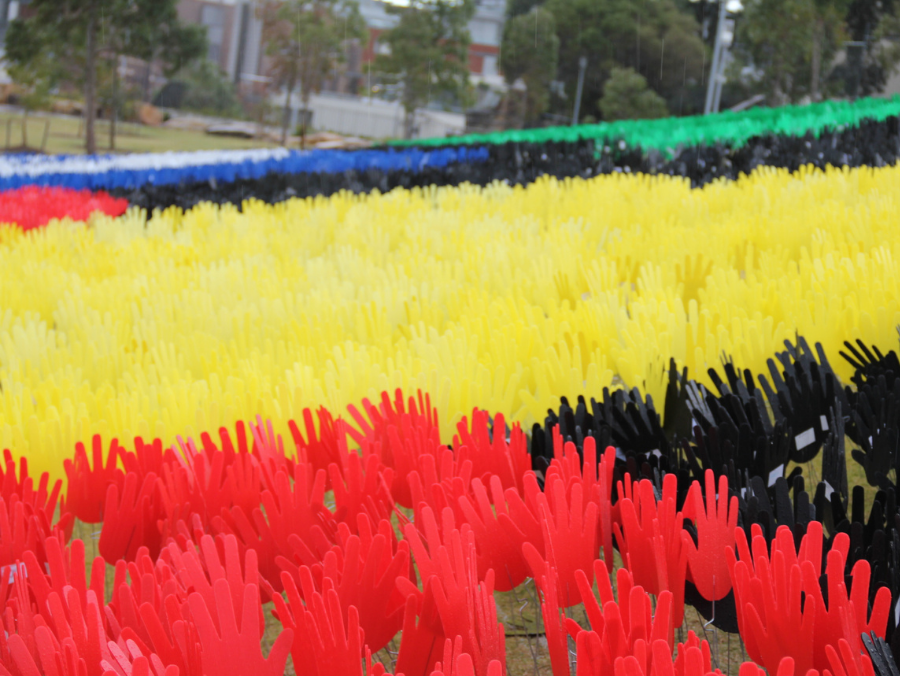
(322, 644)
(226, 648)
(715, 523)
(129, 522)
(88, 485)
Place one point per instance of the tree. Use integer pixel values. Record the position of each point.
(68, 31)
(73, 32)
(149, 30)
(627, 97)
(776, 37)
(306, 41)
(33, 68)
(530, 51)
(155, 34)
(654, 37)
(429, 51)
(828, 29)
(867, 67)
(516, 8)
(203, 88)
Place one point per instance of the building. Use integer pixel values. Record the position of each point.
(485, 28)
(234, 35)
(235, 40)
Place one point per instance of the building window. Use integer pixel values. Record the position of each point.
(213, 18)
(489, 67)
(484, 32)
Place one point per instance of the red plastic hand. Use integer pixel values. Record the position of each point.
(423, 637)
(508, 461)
(322, 450)
(620, 629)
(87, 487)
(23, 486)
(845, 618)
(707, 568)
(359, 485)
(768, 596)
(172, 638)
(23, 529)
(499, 544)
(67, 571)
(292, 514)
(129, 660)
(555, 622)
(653, 544)
(365, 577)
(458, 662)
(322, 644)
(693, 659)
(227, 649)
(400, 434)
(217, 560)
(570, 535)
(781, 609)
(466, 607)
(130, 523)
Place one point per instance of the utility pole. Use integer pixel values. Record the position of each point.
(582, 65)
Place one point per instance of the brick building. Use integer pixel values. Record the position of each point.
(485, 28)
(235, 43)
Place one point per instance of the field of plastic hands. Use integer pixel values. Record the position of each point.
(502, 299)
(202, 537)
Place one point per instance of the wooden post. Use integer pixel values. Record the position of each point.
(46, 136)
(8, 131)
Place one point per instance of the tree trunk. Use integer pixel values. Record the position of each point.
(409, 121)
(147, 76)
(114, 110)
(303, 117)
(90, 77)
(855, 62)
(24, 128)
(818, 36)
(286, 116)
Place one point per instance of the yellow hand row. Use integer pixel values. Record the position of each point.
(501, 298)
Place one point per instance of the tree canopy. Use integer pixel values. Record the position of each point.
(653, 37)
(306, 42)
(866, 69)
(530, 51)
(76, 32)
(627, 97)
(428, 50)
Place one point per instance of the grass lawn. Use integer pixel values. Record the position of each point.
(66, 136)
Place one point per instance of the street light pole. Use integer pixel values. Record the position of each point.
(717, 57)
(582, 65)
(4, 20)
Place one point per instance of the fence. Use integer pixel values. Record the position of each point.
(374, 119)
